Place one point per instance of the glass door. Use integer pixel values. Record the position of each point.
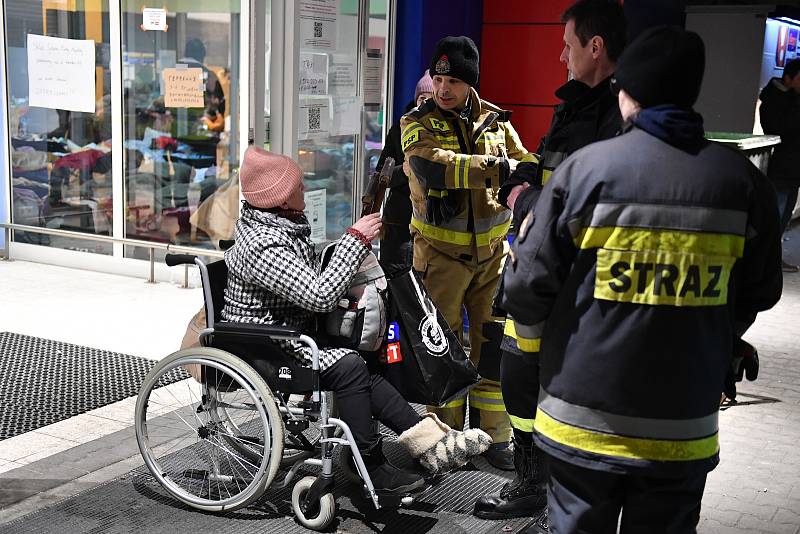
(341, 97)
(180, 78)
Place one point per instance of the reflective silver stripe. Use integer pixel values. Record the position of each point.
(484, 225)
(455, 224)
(529, 331)
(625, 425)
(662, 217)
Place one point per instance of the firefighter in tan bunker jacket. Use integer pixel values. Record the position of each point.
(461, 149)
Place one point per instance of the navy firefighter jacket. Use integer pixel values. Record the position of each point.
(642, 264)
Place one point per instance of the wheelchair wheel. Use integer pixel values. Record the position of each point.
(322, 513)
(291, 453)
(184, 430)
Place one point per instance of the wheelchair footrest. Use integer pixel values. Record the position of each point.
(296, 426)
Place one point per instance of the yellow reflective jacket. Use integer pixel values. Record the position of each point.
(460, 161)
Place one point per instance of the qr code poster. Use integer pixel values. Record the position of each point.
(314, 119)
(318, 23)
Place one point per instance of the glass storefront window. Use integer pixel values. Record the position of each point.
(59, 112)
(181, 122)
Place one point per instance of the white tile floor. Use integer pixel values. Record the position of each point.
(115, 313)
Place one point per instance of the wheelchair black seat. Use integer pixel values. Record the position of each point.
(281, 371)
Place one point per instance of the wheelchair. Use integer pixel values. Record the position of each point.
(216, 423)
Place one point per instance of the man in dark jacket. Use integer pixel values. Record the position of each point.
(780, 115)
(594, 37)
(646, 257)
(396, 240)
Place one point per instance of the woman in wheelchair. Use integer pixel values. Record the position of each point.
(273, 279)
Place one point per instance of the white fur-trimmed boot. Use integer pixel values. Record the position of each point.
(439, 448)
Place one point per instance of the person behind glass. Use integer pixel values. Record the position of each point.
(396, 239)
(194, 57)
(780, 115)
(274, 278)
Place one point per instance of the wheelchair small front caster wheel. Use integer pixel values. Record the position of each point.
(320, 514)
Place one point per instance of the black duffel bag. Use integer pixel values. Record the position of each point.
(425, 362)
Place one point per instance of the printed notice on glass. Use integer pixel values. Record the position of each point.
(61, 73)
(342, 75)
(314, 121)
(318, 23)
(373, 77)
(346, 115)
(313, 73)
(154, 19)
(316, 214)
(183, 88)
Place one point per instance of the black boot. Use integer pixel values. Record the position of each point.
(526, 494)
(539, 525)
(386, 478)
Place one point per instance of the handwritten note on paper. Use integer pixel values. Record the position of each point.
(313, 73)
(61, 73)
(183, 88)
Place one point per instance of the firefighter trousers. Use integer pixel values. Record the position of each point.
(453, 283)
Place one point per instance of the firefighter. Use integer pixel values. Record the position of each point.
(594, 37)
(646, 257)
(460, 150)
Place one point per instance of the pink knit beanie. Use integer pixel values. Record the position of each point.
(424, 85)
(268, 179)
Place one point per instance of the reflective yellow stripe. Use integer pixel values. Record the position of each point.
(546, 175)
(437, 193)
(526, 425)
(619, 238)
(524, 344)
(485, 238)
(489, 401)
(624, 447)
(454, 403)
(465, 170)
(663, 278)
(530, 157)
(456, 173)
(459, 238)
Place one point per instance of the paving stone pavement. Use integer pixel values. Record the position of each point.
(756, 488)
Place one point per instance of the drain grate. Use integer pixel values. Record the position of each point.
(47, 381)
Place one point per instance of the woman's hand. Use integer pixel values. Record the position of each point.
(369, 225)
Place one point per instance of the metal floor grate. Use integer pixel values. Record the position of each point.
(47, 381)
(136, 503)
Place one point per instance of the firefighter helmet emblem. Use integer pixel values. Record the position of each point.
(443, 65)
(433, 336)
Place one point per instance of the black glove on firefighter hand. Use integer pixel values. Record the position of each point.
(433, 210)
(744, 363)
(526, 172)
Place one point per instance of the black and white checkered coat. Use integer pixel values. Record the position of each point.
(273, 277)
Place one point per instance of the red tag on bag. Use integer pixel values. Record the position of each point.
(393, 354)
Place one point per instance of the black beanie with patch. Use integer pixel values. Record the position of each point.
(664, 65)
(456, 57)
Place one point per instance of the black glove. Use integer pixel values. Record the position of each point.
(433, 210)
(526, 171)
(744, 363)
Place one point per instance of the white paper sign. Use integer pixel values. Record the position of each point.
(154, 19)
(318, 24)
(61, 73)
(316, 213)
(342, 75)
(346, 115)
(314, 118)
(313, 73)
(373, 77)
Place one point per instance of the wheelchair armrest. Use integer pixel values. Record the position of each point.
(256, 330)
